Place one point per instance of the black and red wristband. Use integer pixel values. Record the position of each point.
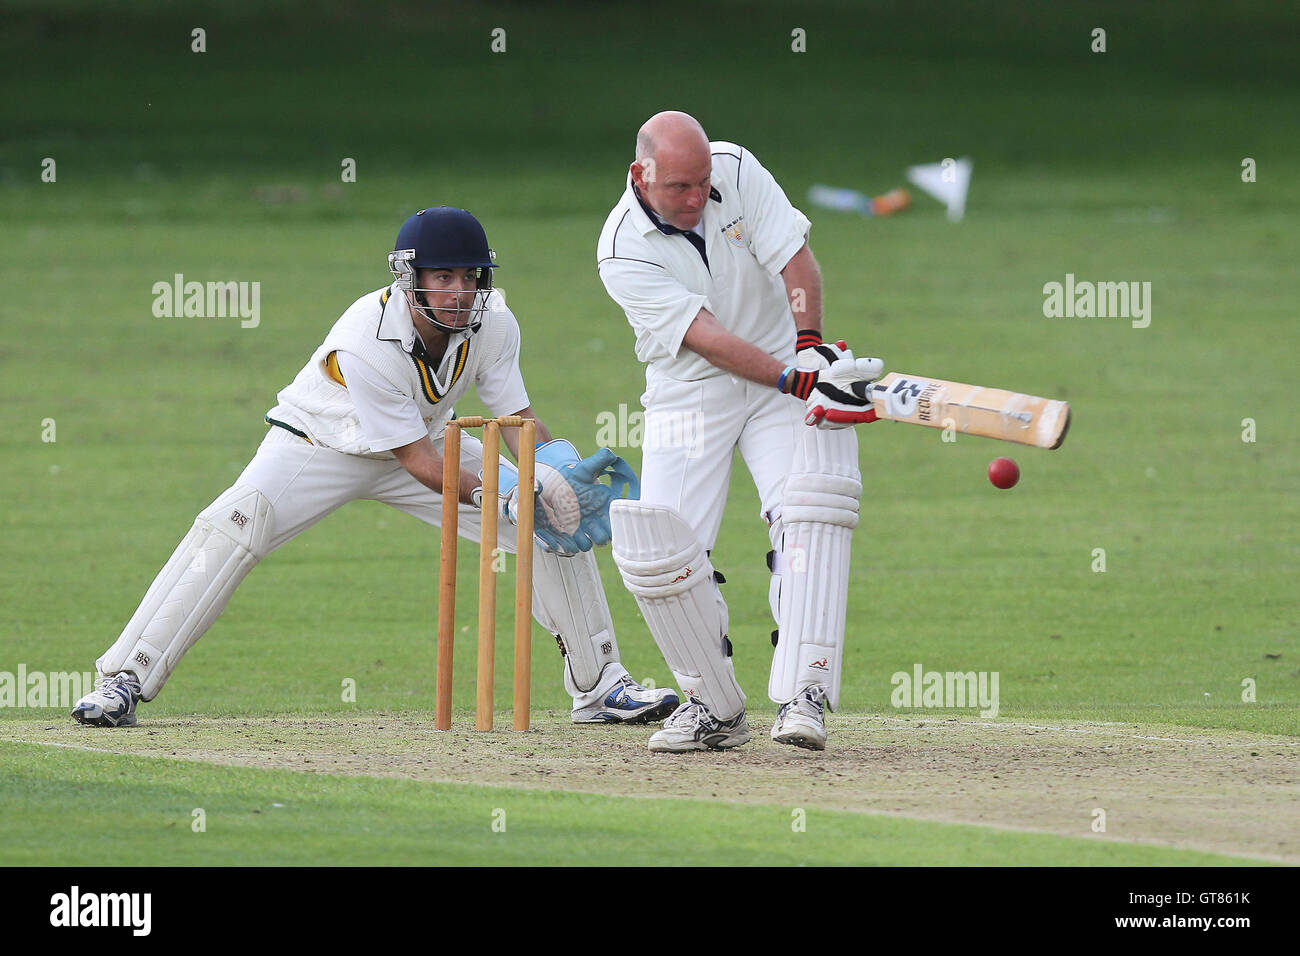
(801, 381)
(806, 339)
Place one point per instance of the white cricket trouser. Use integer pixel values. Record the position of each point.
(305, 482)
(691, 432)
(302, 483)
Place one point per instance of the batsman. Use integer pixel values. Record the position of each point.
(711, 265)
(364, 419)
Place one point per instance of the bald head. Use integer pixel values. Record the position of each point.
(672, 167)
(672, 131)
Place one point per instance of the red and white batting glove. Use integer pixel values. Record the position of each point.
(812, 352)
(838, 396)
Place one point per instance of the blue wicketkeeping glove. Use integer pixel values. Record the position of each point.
(572, 512)
(594, 496)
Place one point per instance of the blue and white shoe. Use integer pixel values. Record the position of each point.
(693, 727)
(628, 703)
(111, 703)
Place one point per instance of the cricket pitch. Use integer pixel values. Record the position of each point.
(1221, 791)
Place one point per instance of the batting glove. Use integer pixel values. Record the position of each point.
(841, 395)
(813, 353)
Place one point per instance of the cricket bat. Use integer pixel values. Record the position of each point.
(970, 409)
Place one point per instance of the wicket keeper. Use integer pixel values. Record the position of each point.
(364, 419)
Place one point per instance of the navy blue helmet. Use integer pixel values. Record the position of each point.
(444, 237)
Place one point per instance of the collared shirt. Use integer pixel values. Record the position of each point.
(389, 416)
(661, 281)
(694, 235)
(371, 387)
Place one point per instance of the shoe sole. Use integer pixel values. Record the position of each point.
(657, 712)
(798, 739)
(713, 742)
(101, 721)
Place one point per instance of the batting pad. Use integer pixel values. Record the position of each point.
(819, 510)
(667, 570)
(569, 601)
(193, 588)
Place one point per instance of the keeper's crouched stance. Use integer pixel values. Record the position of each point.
(364, 420)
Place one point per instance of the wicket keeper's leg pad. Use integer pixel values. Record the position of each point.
(227, 540)
(569, 601)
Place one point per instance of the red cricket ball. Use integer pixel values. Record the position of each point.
(1003, 472)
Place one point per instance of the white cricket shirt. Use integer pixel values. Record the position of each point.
(661, 281)
(388, 392)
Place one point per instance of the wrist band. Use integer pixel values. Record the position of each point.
(807, 338)
(780, 382)
(802, 381)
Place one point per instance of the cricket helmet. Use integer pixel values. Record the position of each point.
(443, 237)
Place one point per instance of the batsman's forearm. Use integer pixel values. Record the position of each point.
(803, 285)
(707, 337)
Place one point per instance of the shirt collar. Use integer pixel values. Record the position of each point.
(652, 220)
(395, 323)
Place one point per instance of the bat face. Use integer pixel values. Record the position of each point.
(970, 409)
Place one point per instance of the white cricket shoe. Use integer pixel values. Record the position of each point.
(627, 702)
(111, 703)
(692, 727)
(802, 721)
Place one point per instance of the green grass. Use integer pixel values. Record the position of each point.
(224, 165)
(290, 819)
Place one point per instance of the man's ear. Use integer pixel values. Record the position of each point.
(643, 172)
(648, 171)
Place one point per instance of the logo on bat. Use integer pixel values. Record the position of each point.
(901, 397)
